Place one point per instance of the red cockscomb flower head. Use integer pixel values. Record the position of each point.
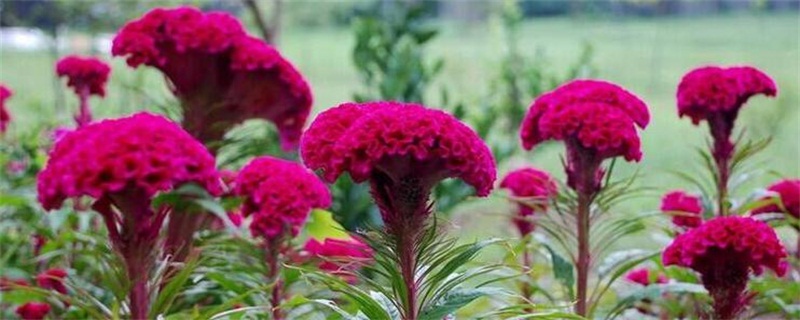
(7, 284)
(5, 117)
(221, 75)
(534, 188)
(33, 310)
(686, 209)
(52, 279)
(725, 250)
(707, 92)
(143, 153)
(788, 192)
(279, 194)
(84, 74)
(339, 255)
(645, 277)
(595, 119)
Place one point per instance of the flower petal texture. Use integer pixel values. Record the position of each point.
(33, 310)
(399, 140)
(686, 209)
(221, 75)
(645, 277)
(599, 116)
(788, 192)
(535, 187)
(728, 243)
(143, 152)
(706, 91)
(337, 252)
(279, 195)
(5, 117)
(52, 279)
(84, 74)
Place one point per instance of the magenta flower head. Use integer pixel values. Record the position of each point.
(404, 150)
(724, 251)
(279, 195)
(595, 119)
(645, 277)
(340, 256)
(52, 279)
(5, 117)
(84, 74)
(123, 163)
(221, 75)
(686, 209)
(534, 188)
(33, 311)
(788, 198)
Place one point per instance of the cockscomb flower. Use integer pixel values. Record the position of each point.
(645, 277)
(52, 279)
(87, 76)
(788, 197)
(595, 119)
(339, 255)
(725, 251)
(5, 117)
(279, 195)
(533, 187)
(123, 163)
(686, 209)
(33, 310)
(221, 75)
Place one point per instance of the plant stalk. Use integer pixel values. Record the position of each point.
(84, 115)
(584, 256)
(272, 248)
(408, 266)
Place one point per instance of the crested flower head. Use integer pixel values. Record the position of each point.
(399, 142)
(788, 200)
(645, 277)
(33, 311)
(339, 254)
(84, 74)
(596, 115)
(708, 91)
(5, 117)
(143, 153)
(534, 187)
(279, 194)
(52, 279)
(686, 209)
(221, 75)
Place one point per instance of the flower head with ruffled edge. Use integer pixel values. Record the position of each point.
(33, 310)
(84, 74)
(534, 187)
(5, 117)
(221, 75)
(279, 195)
(645, 277)
(788, 197)
(686, 209)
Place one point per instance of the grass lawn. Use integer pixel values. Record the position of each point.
(645, 56)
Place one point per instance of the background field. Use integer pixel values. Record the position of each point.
(646, 56)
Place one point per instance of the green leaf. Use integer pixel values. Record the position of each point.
(172, 289)
(562, 270)
(454, 300)
(321, 226)
(653, 292)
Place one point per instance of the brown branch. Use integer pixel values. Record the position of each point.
(269, 30)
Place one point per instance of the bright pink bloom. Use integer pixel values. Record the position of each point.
(33, 310)
(686, 209)
(595, 119)
(5, 117)
(279, 194)
(221, 75)
(397, 141)
(52, 279)
(339, 255)
(788, 192)
(644, 277)
(7, 284)
(709, 92)
(142, 153)
(84, 74)
(725, 250)
(536, 187)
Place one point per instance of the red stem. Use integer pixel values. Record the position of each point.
(584, 256)
(408, 267)
(273, 262)
(84, 116)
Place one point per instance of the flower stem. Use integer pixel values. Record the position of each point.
(84, 115)
(584, 202)
(139, 296)
(272, 248)
(722, 186)
(408, 265)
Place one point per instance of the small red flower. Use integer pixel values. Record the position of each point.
(5, 117)
(788, 195)
(279, 194)
(52, 279)
(536, 187)
(221, 75)
(84, 74)
(724, 251)
(645, 277)
(33, 310)
(7, 284)
(339, 255)
(686, 209)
